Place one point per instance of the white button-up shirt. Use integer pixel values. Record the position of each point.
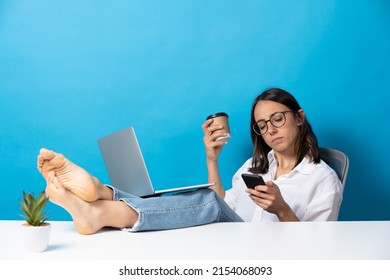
(313, 192)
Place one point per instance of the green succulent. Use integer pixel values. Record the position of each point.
(32, 208)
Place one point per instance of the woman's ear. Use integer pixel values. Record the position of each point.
(300, 117)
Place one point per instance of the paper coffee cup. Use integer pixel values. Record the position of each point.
(221, 118)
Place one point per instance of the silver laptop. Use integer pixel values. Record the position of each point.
(126, 167)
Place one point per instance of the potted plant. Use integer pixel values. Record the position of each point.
(36, 231)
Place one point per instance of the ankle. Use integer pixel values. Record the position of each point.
(104, 192)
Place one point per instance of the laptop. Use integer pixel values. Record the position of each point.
(126, 167)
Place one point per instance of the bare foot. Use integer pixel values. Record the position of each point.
(74, 178)
(83, 213)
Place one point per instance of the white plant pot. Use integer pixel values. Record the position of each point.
(36, 239)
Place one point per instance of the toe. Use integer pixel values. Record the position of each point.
(47, 154)
(58, 184)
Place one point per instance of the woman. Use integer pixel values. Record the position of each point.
(299, 186)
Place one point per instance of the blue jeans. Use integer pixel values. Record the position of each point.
(180, 210)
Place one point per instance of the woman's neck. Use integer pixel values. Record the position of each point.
(285, 163)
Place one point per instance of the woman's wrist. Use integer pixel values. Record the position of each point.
(287, 215)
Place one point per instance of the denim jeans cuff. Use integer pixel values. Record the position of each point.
(116, 197)
(138, 223)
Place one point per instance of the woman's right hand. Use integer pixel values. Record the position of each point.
(211, 133)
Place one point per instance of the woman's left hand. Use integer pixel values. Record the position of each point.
(269, 198)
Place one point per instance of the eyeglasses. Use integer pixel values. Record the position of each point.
(277, 119)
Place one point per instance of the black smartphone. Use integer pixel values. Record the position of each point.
(252, 180)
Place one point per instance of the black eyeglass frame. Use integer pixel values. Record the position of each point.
(255, 125)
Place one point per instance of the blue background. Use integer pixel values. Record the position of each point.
(73, 71)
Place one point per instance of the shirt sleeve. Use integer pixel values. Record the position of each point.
(325, 205)
(231, 195)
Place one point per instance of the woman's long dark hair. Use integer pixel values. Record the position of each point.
(305, 145)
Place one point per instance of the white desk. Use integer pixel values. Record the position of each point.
(227, 241)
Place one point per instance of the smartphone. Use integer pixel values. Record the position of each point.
(252, 180)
